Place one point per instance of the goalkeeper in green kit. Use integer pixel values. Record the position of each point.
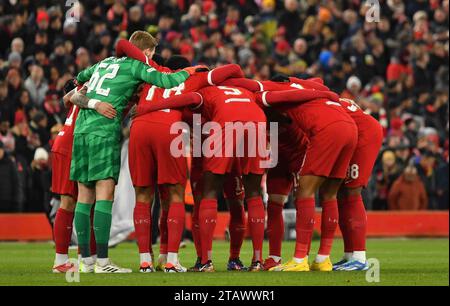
(96, 147)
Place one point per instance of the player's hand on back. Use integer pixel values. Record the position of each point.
(106, 110)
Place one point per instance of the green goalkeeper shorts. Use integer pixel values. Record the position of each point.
(94, 159)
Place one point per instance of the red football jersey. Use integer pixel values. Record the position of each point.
(278, 86)
(294, 83)
(152, 93)
(224, 104)
(64, 141)
(354, 111)
(313, 116)
(365, 122)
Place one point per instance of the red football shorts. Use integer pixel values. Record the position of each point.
(370, 140)
(284, 177)
(281, 181)
(150, 159)
(330, 150)
(61, 184)
(231, 150)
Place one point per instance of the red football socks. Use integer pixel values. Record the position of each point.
(237, 230)
(256, 222)
(207, 221)
(344, 224)
(143, 226)
(175, 226)
(62, 230)
(306, 209)
(275, 227)
(163, 232)
(357, 223)
(196, 230)
(330, 217)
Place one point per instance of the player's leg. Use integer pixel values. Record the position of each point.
(93, 242)
(352, 212)
(279, 185)
(344, 144)
(256, 217)
(353, 224)
(143, 227)
(213, 184)
(62, 229)
(329, 223)
(163, 230)
(86, 200)
(275, 229)
(306, 208)
(143, 172)
(175, 226)
(104, 191)
(197, 195)
(62, 233)
(234, 196)
(237, 228)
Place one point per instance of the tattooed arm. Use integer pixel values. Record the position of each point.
(78, 97)
(105, 109)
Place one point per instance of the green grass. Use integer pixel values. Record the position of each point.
(403, 262)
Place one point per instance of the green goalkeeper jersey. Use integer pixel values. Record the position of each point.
(114, 80)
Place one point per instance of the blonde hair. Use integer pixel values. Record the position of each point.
(143, 40)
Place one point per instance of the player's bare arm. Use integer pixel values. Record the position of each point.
(67, 97)
(80, 99)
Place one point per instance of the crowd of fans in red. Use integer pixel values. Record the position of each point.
(396, 68)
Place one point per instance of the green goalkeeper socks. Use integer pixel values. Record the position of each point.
(102, 226)
(83, 228)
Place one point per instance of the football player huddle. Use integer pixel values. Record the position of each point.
(298, 132)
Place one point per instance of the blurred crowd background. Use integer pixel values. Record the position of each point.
(396, 68)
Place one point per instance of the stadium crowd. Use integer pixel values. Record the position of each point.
(396, 69)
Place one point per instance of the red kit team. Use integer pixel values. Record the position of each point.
(325, 146)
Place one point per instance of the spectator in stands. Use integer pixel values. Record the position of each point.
(6, 136)
(442, 175)
(36, 85)
(385, 176)
(39, 126)
(408, 192)
(426, 169)
(6, 103)
(40, 182)
(8, 182)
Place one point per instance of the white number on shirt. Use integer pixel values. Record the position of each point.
(96, 81)
(230, 91)
(298, 86)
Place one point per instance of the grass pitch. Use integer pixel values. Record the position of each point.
(422, 262)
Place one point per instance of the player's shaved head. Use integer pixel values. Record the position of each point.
(177, 62)
(143, 40)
